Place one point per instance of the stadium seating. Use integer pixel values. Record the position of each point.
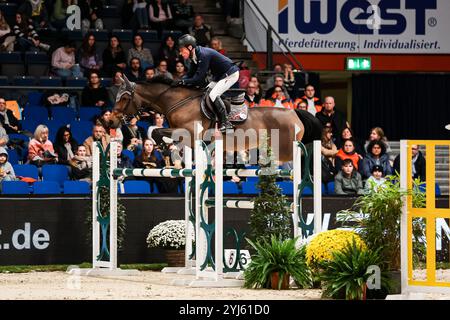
(129, 154)
(230, 187)
(15, 187)
(34, 98)
(13, 156)
(81, 130)
(136, 187)
(55, 172)
(76, 187)
(38, 63)
(11, 64)
(50, 81)
(287, 187)
(26, 170)
(63, 114)
(249, 187)
(4, 81)
(46, 187)
(38, 114)
(148, 35)
(24, 81)
(88, 113)
(76, 82)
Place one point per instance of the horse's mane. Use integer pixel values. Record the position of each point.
(159, 79)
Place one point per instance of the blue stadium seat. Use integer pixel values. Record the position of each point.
(230, 187)
(123, 35)
(129, 154)
(174, 33)
(35, 98)
(88, 113)
(4, 81)
(15, 187)
(50, 81)
(11, 64)
(37, 63)
(24, 81)
(18, 136)
(144, 125)
(330, 188)
(63, 114)
(26, 170)
(55, 172)
(249, 187)
(100, 35)
(287, 187)
(76, 82)
(307, 191)
(13, 156)
(29, 125)
(9, 9)
(46, 187)
(136, 187)
(38, 114)
(81, 130)
(74, 35)
(148, 35)
(76, 187)
(109, 11)
(106, 82)
(53, 127)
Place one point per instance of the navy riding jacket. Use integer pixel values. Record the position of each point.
(209, 59)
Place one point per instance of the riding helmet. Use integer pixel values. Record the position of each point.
(186, 40)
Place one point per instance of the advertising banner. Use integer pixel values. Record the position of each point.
(352, 26)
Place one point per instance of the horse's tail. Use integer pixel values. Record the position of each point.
(313, 126)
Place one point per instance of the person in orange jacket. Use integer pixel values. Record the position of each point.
(277, 100)
(313, 103)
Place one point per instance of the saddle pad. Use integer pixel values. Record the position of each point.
(236, 108)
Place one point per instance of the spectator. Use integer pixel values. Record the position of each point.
(133, 136)
(278, 99)
(6, 169)
(26, 36)
(59, 15)
(113, 57)
(138, 51)
(302, 105)
(376, 180)
(377, 134)
(162, 70)
(160, 16)
(81, 165)
(114, 88)
(134, 71)
(63, 61)
(313, 103)
(183, 14)
(330, 117)
(94, 94)
(328, 151)
(103, 120)
(376, 155)
(89, 15)
(180, 71)
(255, 80)
(7, 119)
(140, 13)
(347, 133)
(3, 137)
(169, 52)
(216, 44)
(279, 82)
(201, 31)
(348, 181)
(36, 11)
(149, 73)
(251, 98)
(89, 59)
(65, 145)
(348, 152)
(289, 79)
(158, 124)
(123, 161)
(277, 71)
(7, 37)
(40, 148)
(98, 135)
(418, 164)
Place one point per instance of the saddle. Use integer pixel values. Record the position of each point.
(234, 102)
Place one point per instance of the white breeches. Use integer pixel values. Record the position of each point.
(223, 85)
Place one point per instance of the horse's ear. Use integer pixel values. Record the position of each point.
(128, 83)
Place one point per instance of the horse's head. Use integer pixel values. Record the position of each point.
(126, 103)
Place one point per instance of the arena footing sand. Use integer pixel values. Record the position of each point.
(147, 285)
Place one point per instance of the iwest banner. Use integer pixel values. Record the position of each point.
(352, 26)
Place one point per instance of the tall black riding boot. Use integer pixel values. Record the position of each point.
(224, 123)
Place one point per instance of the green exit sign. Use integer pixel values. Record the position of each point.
(358, 64)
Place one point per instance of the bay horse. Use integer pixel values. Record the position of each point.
(181, 107)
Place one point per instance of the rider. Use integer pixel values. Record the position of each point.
(225, 74)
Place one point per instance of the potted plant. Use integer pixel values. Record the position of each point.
(274, 262)
(171, 236)
(347, 273)
(376, 217)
